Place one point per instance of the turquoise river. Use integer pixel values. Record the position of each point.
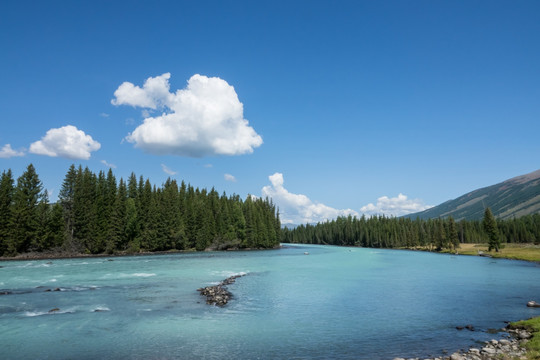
(297, 302)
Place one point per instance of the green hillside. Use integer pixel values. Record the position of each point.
(511, 198)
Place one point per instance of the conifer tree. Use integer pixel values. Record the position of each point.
(490, 226)
(66, 198)
(25, 220)
(453, 238)
(7, 190)
(118, 236)
(43, 239)
(56, 227)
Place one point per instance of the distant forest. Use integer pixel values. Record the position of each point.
(97, 214)
(392, 232)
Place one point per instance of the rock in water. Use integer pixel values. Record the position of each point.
(218, 294)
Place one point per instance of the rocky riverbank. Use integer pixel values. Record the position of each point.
(507, 348)
(219, 294)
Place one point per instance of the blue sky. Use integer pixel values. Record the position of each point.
(330, 107)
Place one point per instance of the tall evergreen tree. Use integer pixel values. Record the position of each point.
(7, 190)
(66, 198)
(453, 239)
(117, 238)
(490, 226)
(25, 218)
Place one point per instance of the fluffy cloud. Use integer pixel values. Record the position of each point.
(229, 177)
(205, 118)
(396, 206)
(7, 152)
(67, 141)
(167, 170)
(298, 208)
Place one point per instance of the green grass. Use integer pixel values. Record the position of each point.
(533, 345)
(528, 252)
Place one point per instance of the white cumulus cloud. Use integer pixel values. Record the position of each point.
(298, 208)
(205, 118)
(67, 141)
(396, 206)
(7, 152)
(229, 177)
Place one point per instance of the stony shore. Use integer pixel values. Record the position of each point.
(506, 349)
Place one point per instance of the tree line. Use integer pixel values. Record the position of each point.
(97, 214)
(436, 234)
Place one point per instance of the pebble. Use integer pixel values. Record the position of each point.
(491, 350)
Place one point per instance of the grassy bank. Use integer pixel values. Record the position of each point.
(533, 345)
(528, 252)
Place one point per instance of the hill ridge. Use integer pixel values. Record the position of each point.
(514, 197)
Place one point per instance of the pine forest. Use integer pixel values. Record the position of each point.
(96, 214)
(434, 234)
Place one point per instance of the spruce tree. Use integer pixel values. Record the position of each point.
(7, 190)
(25, 219)
(66, 198)
(490, 226)
(453, 238)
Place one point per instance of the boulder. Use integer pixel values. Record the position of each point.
(489, 350)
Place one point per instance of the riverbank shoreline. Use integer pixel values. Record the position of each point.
(66, 255)
(512, 346)
(521, 252)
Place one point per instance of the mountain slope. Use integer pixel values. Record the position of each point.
(514, 197)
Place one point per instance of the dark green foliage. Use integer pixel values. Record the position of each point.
(391, 232)
(66, 198)
(7, 190)
(453, 238)
(490, 227)
(95, 214)
(25, 219)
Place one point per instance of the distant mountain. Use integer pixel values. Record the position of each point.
(517, 197)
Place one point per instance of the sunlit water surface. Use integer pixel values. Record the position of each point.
(342, 303)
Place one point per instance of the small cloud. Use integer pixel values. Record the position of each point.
(7, 152)
(206, 118)
(396, 206)
(67, 141)
(112, 166)
(167, 170)
(105, 115)
(298, 208)
(230, 178)
(208, 166)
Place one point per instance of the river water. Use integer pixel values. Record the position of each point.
(334, 303)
